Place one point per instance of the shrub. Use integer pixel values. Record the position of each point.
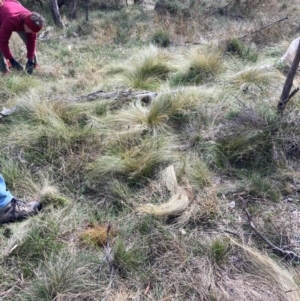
(219, 249)
(235, 46)
(161, 38)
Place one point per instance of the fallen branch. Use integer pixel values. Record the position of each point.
(246, 35)
(284, 253)
(115, 95)
(264, 27)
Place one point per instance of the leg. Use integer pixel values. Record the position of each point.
(22, 35)
(5, 195)
(3, 67)
(12, 209)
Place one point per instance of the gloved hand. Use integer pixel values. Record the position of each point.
(15, 64)
(30, 66)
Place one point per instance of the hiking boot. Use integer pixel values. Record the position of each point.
(18, 210)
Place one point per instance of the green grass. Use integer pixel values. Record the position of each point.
(210, 116)
(161, 38)
(146, 70)
(62, 276)
(134, 162)
(219, 250)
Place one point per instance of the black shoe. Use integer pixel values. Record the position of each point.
(18, 210)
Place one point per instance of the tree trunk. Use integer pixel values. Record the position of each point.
(87, 9)
(285, 95)
(55, 14)
(73, 9)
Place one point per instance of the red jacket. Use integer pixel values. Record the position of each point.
(12, 15)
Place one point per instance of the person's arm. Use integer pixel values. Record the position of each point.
(31, 45)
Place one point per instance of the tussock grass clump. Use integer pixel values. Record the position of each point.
(41, 236)
(172, 107)
(48, 112)
(248, 148)
(161, 38)
(198, 172)
(219, 250)
(17, 177)
(121, 195)
(128, 261)
(49, 195)
(54, 143)
(119, 190)
(145, 70)
(262, 188)
(45, 131)
(235, 47)
(36, 243)
(16, 85)
(247, 140)
(198, 67)
(169, 110)
(255, 80)
(131, 161)
(64, 277)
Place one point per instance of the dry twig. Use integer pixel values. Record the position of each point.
(264, 27)
(108, 258)
(284, 253)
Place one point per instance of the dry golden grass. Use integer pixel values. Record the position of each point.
(97, 235)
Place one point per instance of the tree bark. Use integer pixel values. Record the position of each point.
(285, 95)
(55, 14)
(87, 9)
(73, 9)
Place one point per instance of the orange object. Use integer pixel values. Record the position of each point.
(97, 235)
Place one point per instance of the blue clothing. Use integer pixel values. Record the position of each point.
(5, 195)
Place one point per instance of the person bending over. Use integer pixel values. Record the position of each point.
(13, 209)
(16, 18)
